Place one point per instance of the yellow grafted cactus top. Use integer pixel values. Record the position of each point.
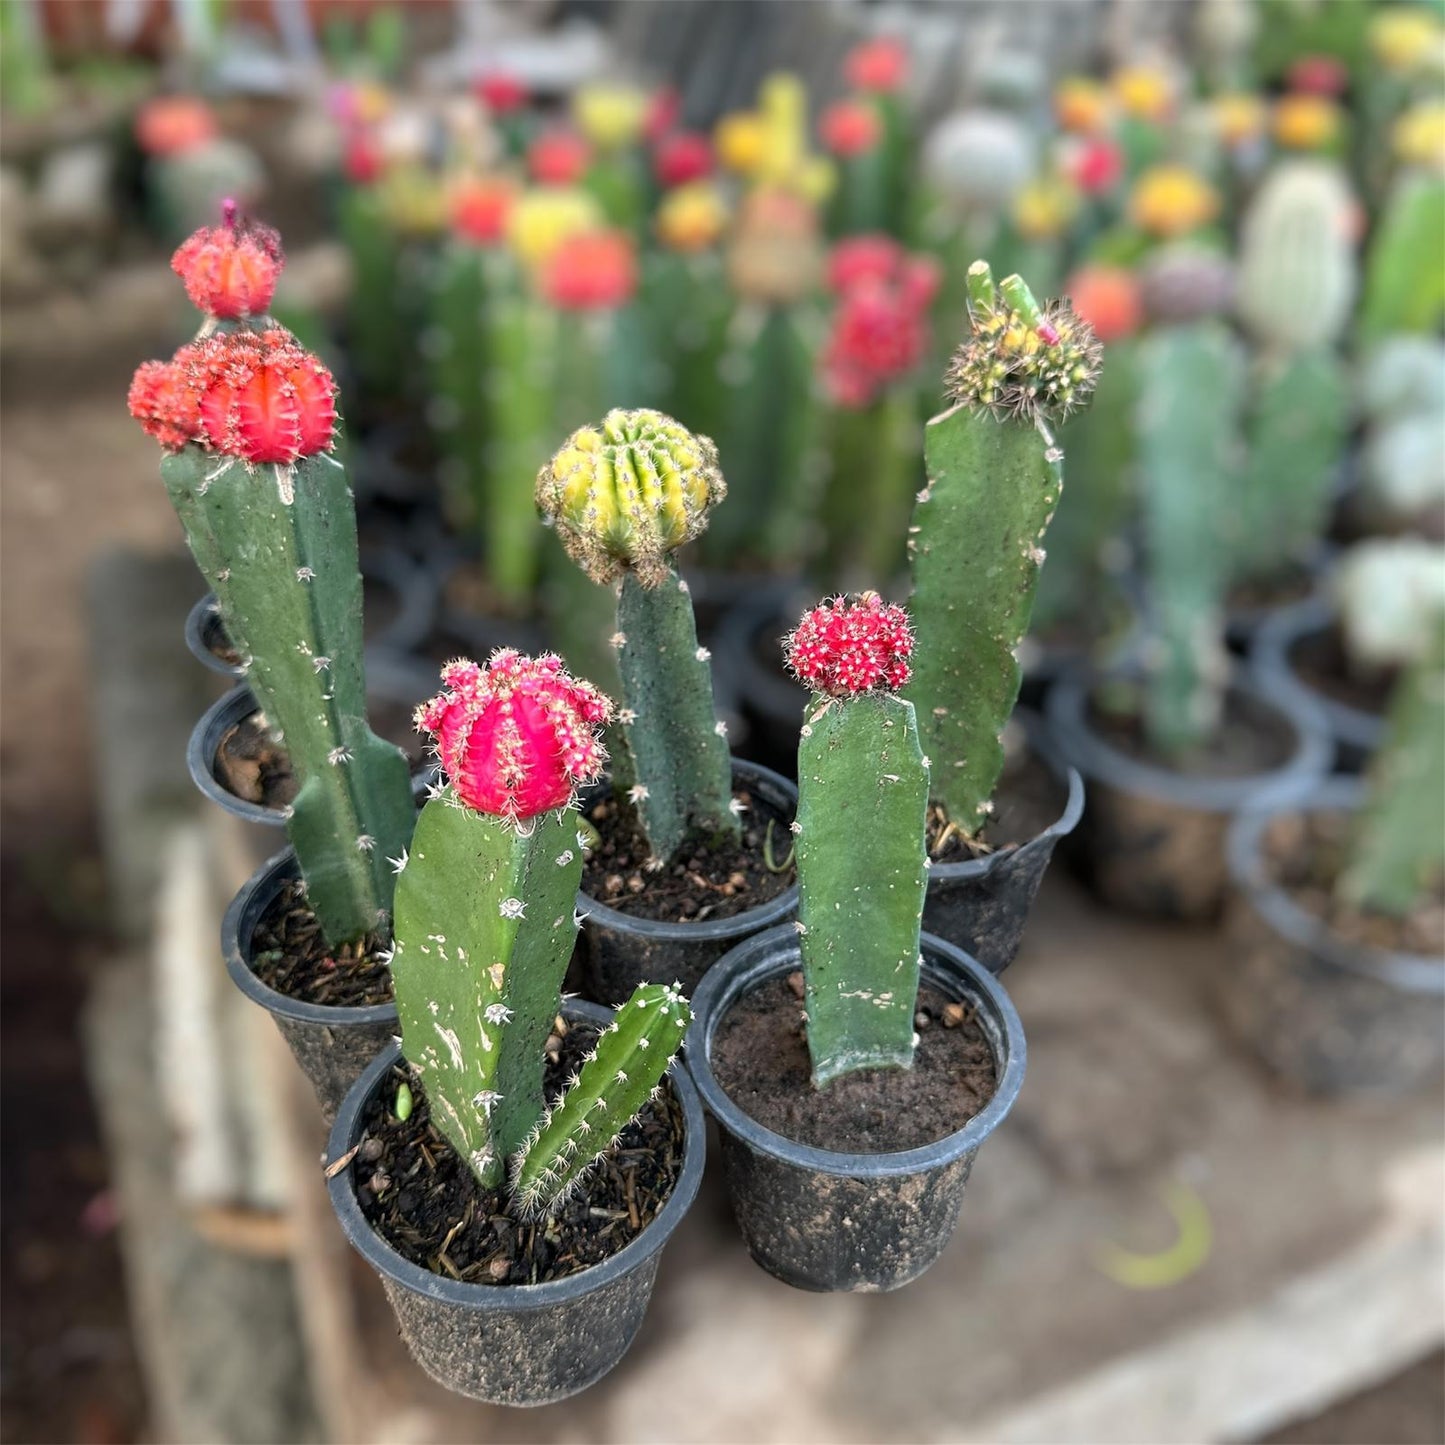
(625, 494)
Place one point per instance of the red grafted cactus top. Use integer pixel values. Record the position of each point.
(852, 645)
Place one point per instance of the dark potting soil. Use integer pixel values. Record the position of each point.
(1030, 797)
(289, 953)
(705, 882)
(253, 766)
(424, 1201)
(1304, 854)
(218, 644)
(1320, 661)
(1293, 584)
(1249, 739)
(760, 1058)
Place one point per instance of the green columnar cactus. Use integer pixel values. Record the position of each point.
(1189, 402)
(624, 496)
(862, 866)
(486, 924)
(247, 418)
(377, 336)
(994, 479)
(616, 1080)
(1404, 281)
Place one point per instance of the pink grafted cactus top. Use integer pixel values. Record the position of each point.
(517, 736)
(230, 271)
(847, 646)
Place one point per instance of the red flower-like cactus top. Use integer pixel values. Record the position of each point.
(480, 208)
(259, 396)
(850, 128)
(879, 65)
(230, 270)
(558, 158)
(591, 271)
(517, 736)
(847, 646)
(501, 92)
(682, 157)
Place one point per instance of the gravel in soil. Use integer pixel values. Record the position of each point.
(1320, 661)
(760, 1058)
(253, 766)
(706, 882)
(1249, 739)
(426, 1203)
(1305, 854)
(289, 953)
(1030, 798)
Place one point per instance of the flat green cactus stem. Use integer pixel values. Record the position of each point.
(485, 926)
(680, 759)
(1188, 421)
(862, 874)
(1397, 852)
(615, 1082)
(278, 545)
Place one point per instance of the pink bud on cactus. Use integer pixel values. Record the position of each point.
(591, 271)
(518, 736)
(501, 92)
(682, 157)
(479, 210)
(847, 646)
(862, 258)
(361, 160)
(849, 128)
(880, 328)
(559, 158)
(230, 271)
(879, 65)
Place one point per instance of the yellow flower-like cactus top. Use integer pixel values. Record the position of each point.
(542, 220)
(1419, 136)
(1145, 92)
(1172, 200)
(610, 116)
(1403, 37)
(625, 494)
(1082, 105)
(691, 218)
(1306, 122)
(1238, 117)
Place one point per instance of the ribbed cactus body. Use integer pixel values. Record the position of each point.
(485, 926)
(1190, 396)
(862, 873)
(1397, 848)
(1297, 274)
(680, 763)
(614, 1083)
(278, 546)
(1404, 280)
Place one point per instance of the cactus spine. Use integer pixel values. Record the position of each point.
(624, 496)
(994, 480)
(862, 806)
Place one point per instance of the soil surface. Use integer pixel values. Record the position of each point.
(428, 1206)
(1249, 740)
(1292, 585)
(760, 1057)
(1305, 854)
(252, 765)
(290, 954)
(1030, 797)
(1320, 661)
(218, 642)
(706, 882)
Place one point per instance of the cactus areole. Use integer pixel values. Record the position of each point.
(862, 808)
(247, 419)
(976, 545)
(485, 925)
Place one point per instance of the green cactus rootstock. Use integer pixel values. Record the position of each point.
(862, 874)
(994, 480)
(1189, 404)
(677, 747)
(278, 545)
(1397, 851)
(1404, 281)
(485, 926)
(616, 1080)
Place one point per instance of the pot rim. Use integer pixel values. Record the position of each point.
(1061, 827)
(230, 708)
(517, 1297)
(1244, 853)
(415, 588)
(757, 959)
(750, 920)
(1066, 711)
(242, 915)
(203, 611)
(1273, 671)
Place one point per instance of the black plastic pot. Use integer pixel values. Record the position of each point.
(824, 1220)
(1242, 621)
(982, 906)
(205, 741)
(332, 1045)
(517, 1344)
(1355, 733)
(1329, 1015)
(622, 951)
(415, 594)
(205, 633)
(1151, 841)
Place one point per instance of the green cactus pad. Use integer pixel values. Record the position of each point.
(862, 873)
(618, 1078)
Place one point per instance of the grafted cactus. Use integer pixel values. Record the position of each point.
(624, 496)
(247, 419)
(994, 479)
(486, 923)
(862, 806)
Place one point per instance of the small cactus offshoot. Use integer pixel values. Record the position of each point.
(247, 418)
(862, 805)
(485, 926)
(624, 496)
